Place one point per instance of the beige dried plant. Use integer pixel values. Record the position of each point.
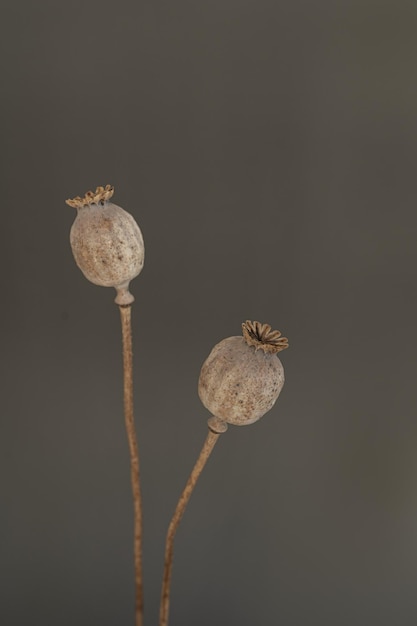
(239, 382)
(108, 248)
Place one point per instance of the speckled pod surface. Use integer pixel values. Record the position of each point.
(107, 244)
(239, 383)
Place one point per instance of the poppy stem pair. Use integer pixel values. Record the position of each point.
(239, 382)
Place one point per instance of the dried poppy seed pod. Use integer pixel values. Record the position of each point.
(242, 377)
(106, 242)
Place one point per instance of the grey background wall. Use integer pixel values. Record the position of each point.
(268, 151)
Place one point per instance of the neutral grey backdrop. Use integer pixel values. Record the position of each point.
(268, 151)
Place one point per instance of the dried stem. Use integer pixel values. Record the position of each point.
(208, 446)
(125, 314)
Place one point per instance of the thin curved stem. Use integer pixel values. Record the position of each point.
(208, 446)
(125, 315)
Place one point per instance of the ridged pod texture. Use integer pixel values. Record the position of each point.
(239, 383)
(107, 244)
